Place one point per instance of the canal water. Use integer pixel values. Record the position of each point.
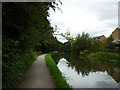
(83, 73)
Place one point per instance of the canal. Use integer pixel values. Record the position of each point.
(83, 73)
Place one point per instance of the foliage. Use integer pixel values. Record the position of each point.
(26, 28)
(34, 57)
(104, 56)
(117, 49)
(109, 44)
(56, 56)
(83, 53)
(68, 36)
(57, 76)
(81, 43)
(66, 47)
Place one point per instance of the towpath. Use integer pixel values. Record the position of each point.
(38, 75)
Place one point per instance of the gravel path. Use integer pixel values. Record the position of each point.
(38, 75)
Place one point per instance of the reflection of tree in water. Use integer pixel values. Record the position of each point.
(85, 66)
(56, 57)
(115, 73)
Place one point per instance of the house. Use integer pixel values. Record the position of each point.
(100, 38)
(116, 34)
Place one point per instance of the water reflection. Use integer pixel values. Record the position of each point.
(82, 73)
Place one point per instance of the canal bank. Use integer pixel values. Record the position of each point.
(60, 81)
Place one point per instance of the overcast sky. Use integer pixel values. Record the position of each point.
(96, 17)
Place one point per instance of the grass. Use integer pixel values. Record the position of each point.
(60, 82)
(104, 56)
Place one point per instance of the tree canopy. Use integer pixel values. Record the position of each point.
(26, 29)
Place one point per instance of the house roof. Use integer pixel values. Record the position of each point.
(99, 36)
(116, 29)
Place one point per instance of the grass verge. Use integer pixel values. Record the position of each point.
(60, 82)
(104, 56)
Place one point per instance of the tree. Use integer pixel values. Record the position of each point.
(109, 44)
(81, 43)
(25, 29)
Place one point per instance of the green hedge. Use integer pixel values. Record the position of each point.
(14, 72)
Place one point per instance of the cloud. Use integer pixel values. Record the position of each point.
(106, 10)
(93, 17)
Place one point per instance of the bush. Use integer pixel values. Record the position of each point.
(105, 56)
(116, 49)
(25, 26)
(83, 53)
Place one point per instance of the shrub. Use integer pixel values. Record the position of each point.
(116, 49)
(105, 56)
(83, 53)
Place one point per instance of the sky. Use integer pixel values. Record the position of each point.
(96, 17)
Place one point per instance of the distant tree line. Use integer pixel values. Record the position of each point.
(86, 43)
